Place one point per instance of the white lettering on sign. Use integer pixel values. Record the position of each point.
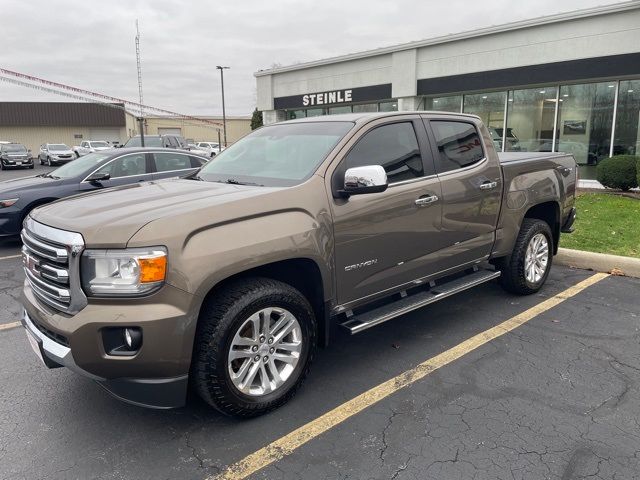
(327, 98)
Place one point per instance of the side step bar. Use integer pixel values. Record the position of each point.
(360, 322)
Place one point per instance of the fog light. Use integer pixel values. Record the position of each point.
(132, 338)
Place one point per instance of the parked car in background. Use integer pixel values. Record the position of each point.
(212, 148)
(15, 155)
(193, 148)
(55, 154)
(92, 172)
(91, 146)
(156, 141)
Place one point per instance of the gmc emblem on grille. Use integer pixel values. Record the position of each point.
(30, 263)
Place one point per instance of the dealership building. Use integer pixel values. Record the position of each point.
(568, 82)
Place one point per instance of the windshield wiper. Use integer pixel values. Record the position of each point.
(48, 175)
(233, 181)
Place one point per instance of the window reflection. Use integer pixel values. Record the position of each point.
(585, 116)
(627, 136)
(443, 104)
(530, 116)
(490, 108)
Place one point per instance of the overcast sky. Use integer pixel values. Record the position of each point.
(90, 43)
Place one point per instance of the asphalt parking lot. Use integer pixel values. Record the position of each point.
(556, 397)
(26, 172)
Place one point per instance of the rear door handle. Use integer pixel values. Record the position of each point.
(423, 201)
(488, 185)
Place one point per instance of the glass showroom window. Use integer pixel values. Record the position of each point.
(490, 108)
(627, 134)
(391, 106)
(315, 112)
(366, 107)
(341, 109)
(530, 116)
(443, 104)
(585, 116)
(296, 114)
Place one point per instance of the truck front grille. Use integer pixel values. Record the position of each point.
(51, 260)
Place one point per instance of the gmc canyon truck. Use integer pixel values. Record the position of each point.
(229, 279)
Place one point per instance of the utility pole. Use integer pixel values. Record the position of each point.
(141, 117)
(224, 115)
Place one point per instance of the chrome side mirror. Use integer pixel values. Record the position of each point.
(367, 179)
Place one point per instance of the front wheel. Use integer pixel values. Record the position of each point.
(528, 268)
(49, 162)
(254, 345)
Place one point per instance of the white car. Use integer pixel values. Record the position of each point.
(212, 148)
(91, 146)
(193, 148)
(55, 154)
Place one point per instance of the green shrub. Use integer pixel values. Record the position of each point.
(618, 172)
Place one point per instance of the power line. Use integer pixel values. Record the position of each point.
(41, 82)
(119, 106)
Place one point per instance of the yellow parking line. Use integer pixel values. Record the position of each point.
(10, 256)
(289, 443)
(7, 326)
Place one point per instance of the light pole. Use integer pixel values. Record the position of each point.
(224, 115)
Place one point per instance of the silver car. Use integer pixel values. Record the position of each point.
(55, 154)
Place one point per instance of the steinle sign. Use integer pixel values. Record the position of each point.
(339, 96)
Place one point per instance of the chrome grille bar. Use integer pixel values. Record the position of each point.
(51, 259)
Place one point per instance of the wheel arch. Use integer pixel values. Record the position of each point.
(302, 273)
(548, 212)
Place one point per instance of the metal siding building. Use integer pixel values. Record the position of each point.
(567, 82)
(35, 123)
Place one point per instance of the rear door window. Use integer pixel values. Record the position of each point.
(168, 162)
(458, 145)
(127, 166)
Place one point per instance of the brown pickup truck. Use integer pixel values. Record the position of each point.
(230, 278)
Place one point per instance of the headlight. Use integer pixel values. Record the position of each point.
(122, 273)
(8, 203)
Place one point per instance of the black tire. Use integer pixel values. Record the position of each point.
(31, 167)
(49, 164)
(513, 278)
(221, 317)
(1, 165)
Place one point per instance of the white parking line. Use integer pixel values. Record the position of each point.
(10, 256)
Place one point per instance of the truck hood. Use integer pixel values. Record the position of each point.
(109, 218)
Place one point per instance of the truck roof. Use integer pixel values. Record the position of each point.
(368, 116)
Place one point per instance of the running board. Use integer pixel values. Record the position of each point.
(358, 323)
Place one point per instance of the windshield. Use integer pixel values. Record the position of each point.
(80, 166)
(14, 148)
(276, 155)
(99, 144)
(148, 142)
(56, 147)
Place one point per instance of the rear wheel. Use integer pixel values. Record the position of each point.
(528, 268)
(254, 346)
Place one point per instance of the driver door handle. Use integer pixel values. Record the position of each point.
(488, 185)
(428, 200)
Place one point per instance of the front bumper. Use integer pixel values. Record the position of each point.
(28, 162)
(156, 377)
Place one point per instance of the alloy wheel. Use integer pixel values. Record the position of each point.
(536, 259)
(265, 351)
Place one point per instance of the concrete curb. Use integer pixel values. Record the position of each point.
(599, 262)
